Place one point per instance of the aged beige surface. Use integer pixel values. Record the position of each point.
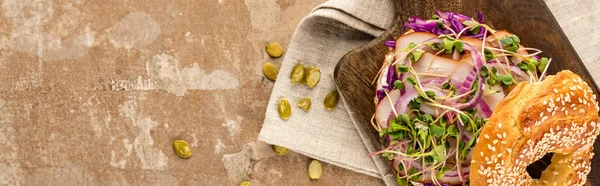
(95, 92)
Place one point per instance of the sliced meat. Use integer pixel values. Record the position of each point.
(456, 69)
(415, 37)
(384, 108)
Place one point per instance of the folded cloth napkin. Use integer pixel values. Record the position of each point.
(321, 39)
(338, 26)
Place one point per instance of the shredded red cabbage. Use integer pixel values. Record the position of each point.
(454, 21)
(390, 43)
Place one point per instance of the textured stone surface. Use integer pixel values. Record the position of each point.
(94, 93)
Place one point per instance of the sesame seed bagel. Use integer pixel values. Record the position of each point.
(558, 115)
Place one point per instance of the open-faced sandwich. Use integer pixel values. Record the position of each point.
(459, 103)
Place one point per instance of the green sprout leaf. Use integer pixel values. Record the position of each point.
(382, 132)
(484, 71)
(413, 104)
(412, 80)
(476, 29)
(388, 155)
(396, 126)
(402, 68)
(531, 67)
(405, 118)
(488, 54)
(533, 61)
(472, 141)
(397, 135)
(523, 66)
(446, 86)
(506, 41)
(439, 24)
(506, 79)
(443, 122)
(427, 118)
(513, 47)
(402, 182)
(423, 134)
(411, 45)
(413, 171)
(417, 54)
(447, 44)
(491, 81)
(452, 130)
(430, 94)
(459, 46)
(398, 85)
(439, 153)
(543, 63)
(437, 131)
(514, 38)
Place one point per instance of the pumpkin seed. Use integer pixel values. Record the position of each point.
(274, 50)
(315, 170)
(297, 75)
(270, 71)
(279, 150)
(246, 183)
(304, 103)
(331, 100)
(313, 76)
(182, 149)
(283, 107)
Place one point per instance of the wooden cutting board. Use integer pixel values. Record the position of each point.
(531, 20)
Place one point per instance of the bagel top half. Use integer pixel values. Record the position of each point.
(559, 115)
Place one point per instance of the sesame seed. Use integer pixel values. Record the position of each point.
(555, 91)
(486, 136)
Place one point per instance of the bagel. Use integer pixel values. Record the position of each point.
(558, 115)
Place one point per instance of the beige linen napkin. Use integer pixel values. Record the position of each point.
(338, 26)
(321, 39)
